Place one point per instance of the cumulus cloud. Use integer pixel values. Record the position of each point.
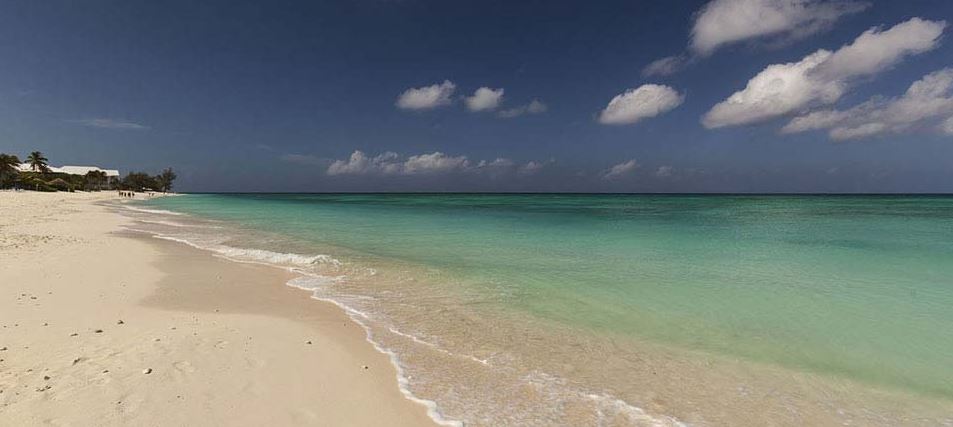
(435, 162)
(643, 102)
(947, 126)
(620, 170)
(427, 97)
(664, 66)
(534, 107)
(390, 164)
(499, 162)
(111, 124)
(484, 99)
(722, 22)
(531, 167)
(823, 76)
(664, 171)
(386, 163)
(926, 101)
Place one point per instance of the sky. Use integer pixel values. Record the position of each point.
(407, 95)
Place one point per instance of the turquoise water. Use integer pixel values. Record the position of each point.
(856, 287)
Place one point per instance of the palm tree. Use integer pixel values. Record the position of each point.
(38, 162)
(8, 167)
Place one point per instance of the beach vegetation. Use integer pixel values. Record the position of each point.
(164, 180)
(40, 177)
(95, 181)
(8, 170)
(37, 162)
(141, 181)
(60, 184)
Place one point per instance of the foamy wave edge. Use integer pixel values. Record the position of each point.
(403, 383)
(281, 260)
(152, 211)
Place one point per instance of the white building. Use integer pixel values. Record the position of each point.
(73, 170)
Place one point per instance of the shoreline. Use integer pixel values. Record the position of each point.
(244, 301)
(103, 326)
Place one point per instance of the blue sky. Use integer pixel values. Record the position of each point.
(363, 95)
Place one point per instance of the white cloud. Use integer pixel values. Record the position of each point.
(534, 107)
(664, 66)
(778, 90)
(427, 97)
(620, 170)
(722, 22)
(111, 124)
(823, 77)
(646, 101)
(484, 99)
(360, 164)
(926, 100)
(390, 164)
(947, 126)
(532, 167)
(499, 162)
(859, 131)
(876, 50)
(664, 171)
(435, 162)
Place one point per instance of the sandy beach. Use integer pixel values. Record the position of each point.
(100, 326)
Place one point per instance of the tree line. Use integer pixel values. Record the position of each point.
(41, 178)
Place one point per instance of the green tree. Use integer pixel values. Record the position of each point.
(138, 181)
(95, 180)
(164, 180)
(37, 162)
(8, 169)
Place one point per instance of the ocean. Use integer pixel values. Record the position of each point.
(553, 309)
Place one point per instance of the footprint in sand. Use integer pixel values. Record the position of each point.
(184, 366)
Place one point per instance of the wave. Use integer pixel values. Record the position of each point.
(417, 340)
(173, 223)
(607, 406)
(257, 255)
(153, 211)
(314, 283)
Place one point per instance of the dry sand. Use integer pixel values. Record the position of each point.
(103, 327)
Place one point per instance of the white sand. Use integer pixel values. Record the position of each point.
(202, 341)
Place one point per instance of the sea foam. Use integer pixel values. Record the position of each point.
(153, 211)
(257, 255)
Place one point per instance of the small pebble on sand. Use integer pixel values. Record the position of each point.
(98, 331)
(147, 371)
(308, 342)
(120, 322)
(366, 367)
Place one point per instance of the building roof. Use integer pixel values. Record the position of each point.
(72, 170)
(83, 170)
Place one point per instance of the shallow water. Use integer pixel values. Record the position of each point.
(623, 309)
